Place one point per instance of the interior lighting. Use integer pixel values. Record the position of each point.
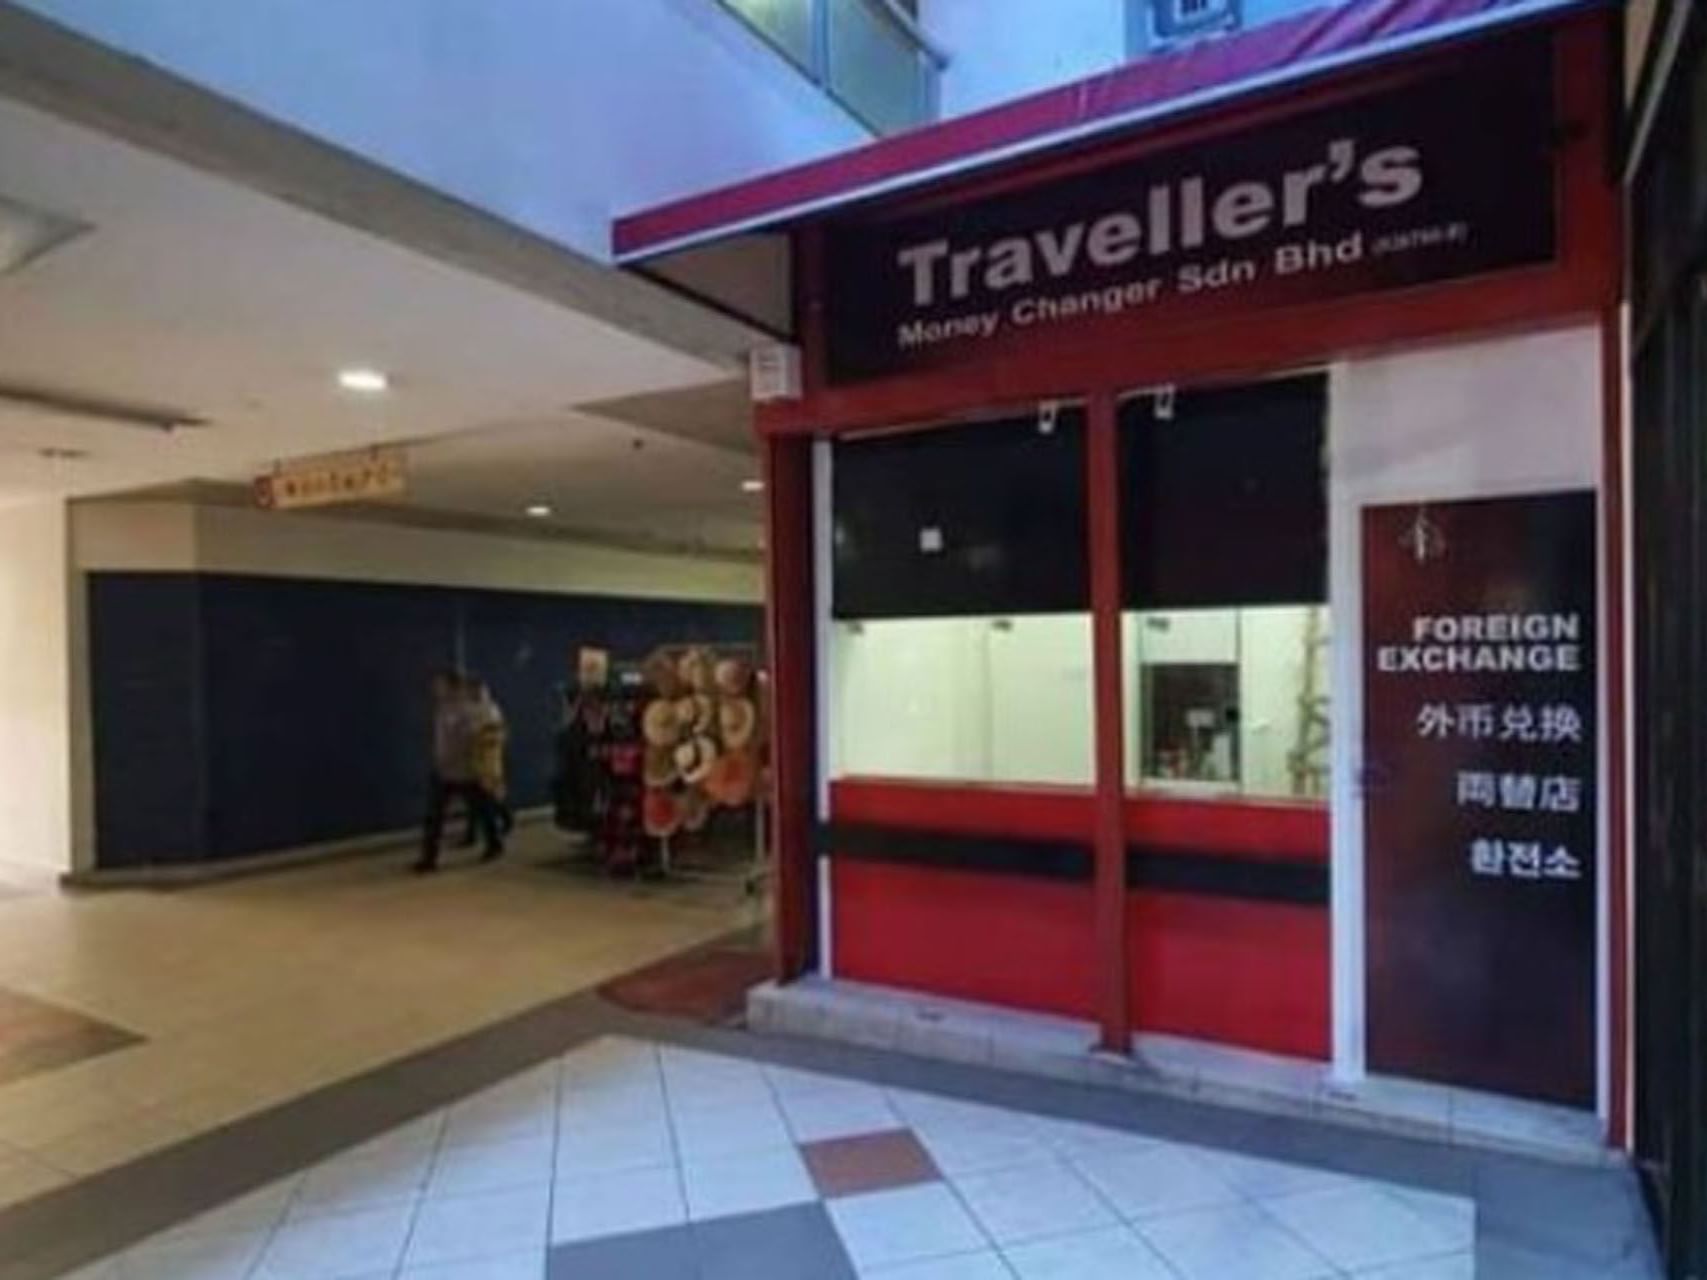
(370, 382)
(752, 486)
(539, 511)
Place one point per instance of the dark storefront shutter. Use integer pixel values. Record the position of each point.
(1224, 503)
(987, 518)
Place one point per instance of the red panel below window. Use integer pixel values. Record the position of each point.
(1002, 940)
(1245, 973)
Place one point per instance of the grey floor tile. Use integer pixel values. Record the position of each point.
(781, 1244)
(670, 1253)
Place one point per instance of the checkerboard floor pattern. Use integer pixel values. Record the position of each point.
(626, 1160)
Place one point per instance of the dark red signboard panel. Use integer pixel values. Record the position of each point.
(1439, 179)
(1481, 835)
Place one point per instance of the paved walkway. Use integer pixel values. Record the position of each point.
(132, 1021)
(654, 1150)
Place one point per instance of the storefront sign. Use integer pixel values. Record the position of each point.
(344, 477)
(1481, 835)
(1448, 177)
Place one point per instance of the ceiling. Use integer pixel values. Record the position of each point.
(194, 294)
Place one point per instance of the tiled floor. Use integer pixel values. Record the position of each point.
(630, 1160)
(250, 993)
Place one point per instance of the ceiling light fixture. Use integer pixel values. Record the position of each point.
(539, 511)
(752, 486)
(368, 382)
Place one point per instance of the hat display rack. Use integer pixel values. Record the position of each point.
(601, 756)
(702, 724)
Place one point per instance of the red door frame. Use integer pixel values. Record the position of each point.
(1102, 500)
(1100, 361)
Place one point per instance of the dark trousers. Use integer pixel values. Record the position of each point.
(502, 815)
(440, 793)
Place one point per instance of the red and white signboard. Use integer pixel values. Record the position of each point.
(333, 478)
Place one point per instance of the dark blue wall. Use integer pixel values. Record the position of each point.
(235, 715)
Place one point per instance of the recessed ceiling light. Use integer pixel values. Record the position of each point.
(539, 511)
(367, 381)
(752, 486)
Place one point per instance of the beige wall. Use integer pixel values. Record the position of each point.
(167, 537)
(35, 727)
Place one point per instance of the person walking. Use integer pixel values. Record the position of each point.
(453, 771)
(489, 739)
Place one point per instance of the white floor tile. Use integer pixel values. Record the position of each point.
(837, 1113)
(968, 1148)
(614, 1147)
(1261, 1179)
(501, 1118)
(1458, 1266)
(1232, 1240)
(350, 1183)
(889, 1227)
(511, 1266)
(501, 1166)
(1362, 1227)
(1033, 1201)
(259, 1210)
(616, 1203)
(421, 1132)
(1164, 1179)
(746, 1183)
(600, 1108)
(1453, 1215)
(965, 1266)
(1071, 1139)
(1113, 1254)
(697, 1093)
(353, 1244)
(193, 1258)
(480, 1226)
(791, 1082)
(728, 1131)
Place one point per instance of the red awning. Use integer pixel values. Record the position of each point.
(1210, 73)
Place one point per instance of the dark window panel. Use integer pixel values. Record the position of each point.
(985, 518)
(1225, 502)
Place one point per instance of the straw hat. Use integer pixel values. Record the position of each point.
(695, 758)
(696, 810)
(658, 723)
(733, 676)
(659, 672)
(695, 670)
(661, 814)
(737, 722)
(731, 778)
(704, 713)
(660, 769)
(687, 712)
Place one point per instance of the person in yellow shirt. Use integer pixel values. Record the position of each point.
(488, 740)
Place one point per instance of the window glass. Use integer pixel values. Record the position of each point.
(1229, 701)
(1224, 556)
(876, 67)
(981, 699)
(960, 646)
(785, 23)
